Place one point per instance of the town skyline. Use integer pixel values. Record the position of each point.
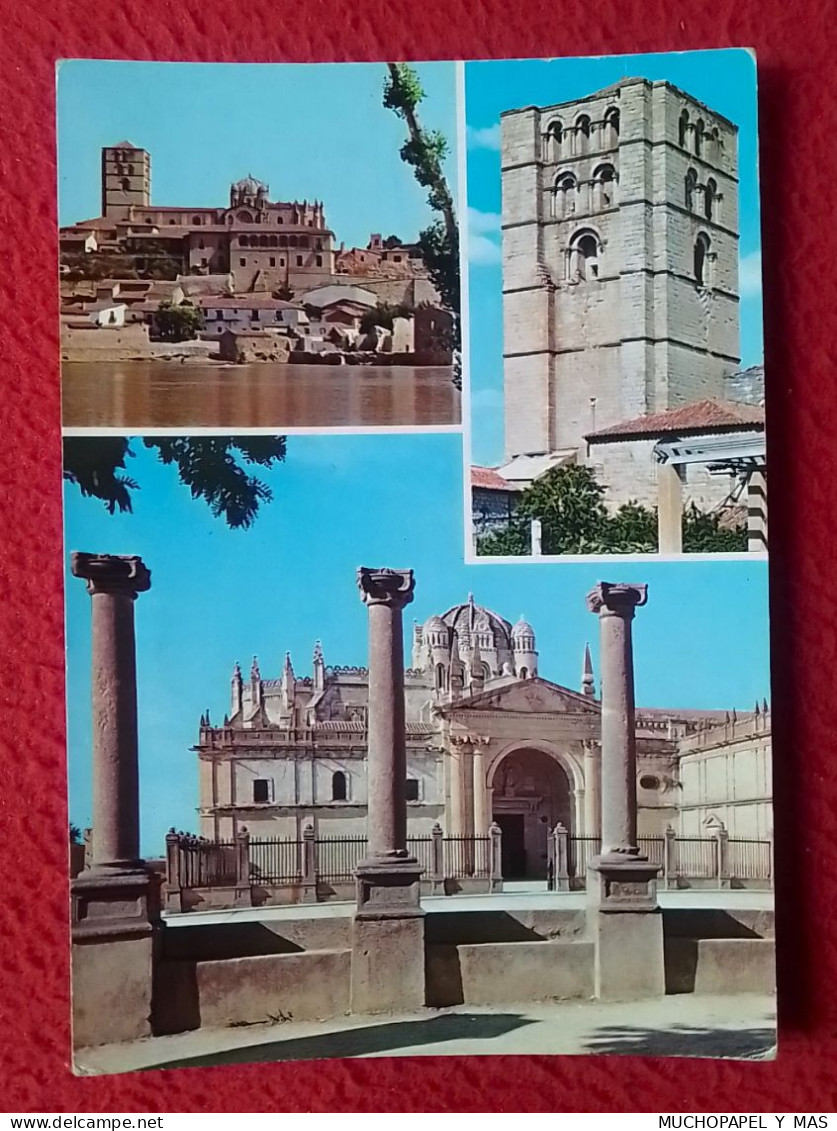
(101, 102)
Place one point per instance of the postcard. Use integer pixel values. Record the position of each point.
(366, 759)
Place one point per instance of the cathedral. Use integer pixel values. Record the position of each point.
(260, 243)
(488, 739)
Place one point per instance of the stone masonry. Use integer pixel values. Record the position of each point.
(620, 262)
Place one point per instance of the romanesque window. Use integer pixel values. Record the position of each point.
(583, 258)
(440, 677)
(524, 673)
(691, 189)
(274, 241)
(243, 241)
(411, 789)
(564, 196)
(339, 786)
(702, 256)
(197, 221)
(710, 197)
(611, 127)
(683, 128)
(604, 187)
(126, 184)
(582, 134)
(700, 130)
(261, 791)
(291, 241)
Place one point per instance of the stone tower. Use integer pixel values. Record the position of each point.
(620, 261)
(126, 179)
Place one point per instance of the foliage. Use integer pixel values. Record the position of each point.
(425, 150)
(570, 505)
(178, 323)
(75, 834)
(212, 467)
(284, 292)
(384, 314)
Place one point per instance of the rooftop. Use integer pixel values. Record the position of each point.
(489, 479)
(708, 416)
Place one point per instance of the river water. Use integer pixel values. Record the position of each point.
(171, 394)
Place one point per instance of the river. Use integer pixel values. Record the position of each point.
(139, 395)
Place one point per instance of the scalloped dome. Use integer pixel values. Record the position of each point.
(469, 616)
(250, 185)
(522, 628)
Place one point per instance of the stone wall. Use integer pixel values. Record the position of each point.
(628, 471)
(630, 331)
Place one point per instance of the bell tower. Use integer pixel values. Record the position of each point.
(126, 179)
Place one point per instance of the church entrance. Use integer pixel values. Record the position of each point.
(531, 794)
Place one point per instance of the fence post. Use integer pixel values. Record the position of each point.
(561, 872)
(242, 868)
(495, 857)
(722, 856)
(670, 858)
(174, 891)
(437, 871)
(309, 864)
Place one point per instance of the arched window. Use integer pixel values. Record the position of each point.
(701, 259)
(604, 187)
(440, 677)
(583, 259)
(283, 241)
(564, 196)
(691, 189)
(274, 242)
(524, 673)
(683, 128)
(243, 241)
(245, 218)
(710, 196)
(197, 221)
(611, 126)
(130, 170)
(339, 790)
(126, 185)
(292, 241)
(554, 140)
(582, 134)
(700, 130)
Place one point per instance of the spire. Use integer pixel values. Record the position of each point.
(588, 682)
(318, 653)
(255, 674)
(288, 668)
(319, 667)
(471, 612)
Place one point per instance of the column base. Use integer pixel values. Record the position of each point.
(626, 926)
(114, 938)
(388, 938)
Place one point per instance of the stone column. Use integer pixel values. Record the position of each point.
(482, 804)
(592, 790)
(623, 913)
(388, 930)
(670, 508)
(116, 902)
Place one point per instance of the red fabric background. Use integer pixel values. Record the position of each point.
(795, 43)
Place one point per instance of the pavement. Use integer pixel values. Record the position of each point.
(515, 897)
(741, 1026)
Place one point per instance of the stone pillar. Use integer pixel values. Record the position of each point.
(592, 790)
(623, 914)
(388, 930)
(116, 903)
(670, 508)
(757, 512)
(482, 806)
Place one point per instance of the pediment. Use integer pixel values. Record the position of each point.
(527, 696)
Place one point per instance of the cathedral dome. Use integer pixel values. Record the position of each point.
(470, 617)
(521, 629)
(250, 186)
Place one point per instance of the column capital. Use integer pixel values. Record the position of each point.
(123, 574)
(616, 600)
(391, 587)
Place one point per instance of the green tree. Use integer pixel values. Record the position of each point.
(425, 151)
(178, 323)
(384, 314)
(284, 292)
(75, 834)
(569, 502)
(214, 468)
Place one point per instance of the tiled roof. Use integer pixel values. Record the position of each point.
(703, 416)
(244, 302)
(488, 479)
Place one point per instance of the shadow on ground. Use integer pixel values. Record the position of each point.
(390, 1037)
(682, 1040)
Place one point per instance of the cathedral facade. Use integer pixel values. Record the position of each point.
(488, 740)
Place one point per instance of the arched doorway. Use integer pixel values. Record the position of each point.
(531, 793)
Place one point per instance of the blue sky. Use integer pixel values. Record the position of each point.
(341, 501)
(725, 80)
(312, 132)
